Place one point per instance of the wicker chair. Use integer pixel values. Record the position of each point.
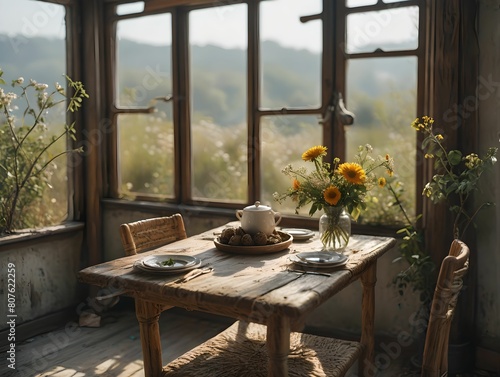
(147, 234)
(449, 284)
(141, 236)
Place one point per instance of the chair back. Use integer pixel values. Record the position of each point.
(144, 235)
(448, 286)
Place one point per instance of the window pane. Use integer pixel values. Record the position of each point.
(146, 153)
(143, 66)
(389, 30)
(284, 139)
(130, 8)
(382, 94)
(145, 141)
(360, 3)
(218, 100)
(33, 46)
(290, 53)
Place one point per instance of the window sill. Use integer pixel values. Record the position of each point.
(28, 235)
(294, 221)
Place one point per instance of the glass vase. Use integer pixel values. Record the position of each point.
(334, 228)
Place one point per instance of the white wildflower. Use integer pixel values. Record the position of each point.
(41, 86)
(287, 169)
(6, 99)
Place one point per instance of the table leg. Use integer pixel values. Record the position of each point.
(148, 314)
(368, 280)
(278, 346)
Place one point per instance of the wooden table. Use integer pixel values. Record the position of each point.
(254, 288)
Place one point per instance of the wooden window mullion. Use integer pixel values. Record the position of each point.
(253, 102)
(181, 92)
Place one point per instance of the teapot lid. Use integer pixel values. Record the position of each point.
(257, 207)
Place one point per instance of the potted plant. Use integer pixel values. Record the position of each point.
(27, 158)
(456, 177)
(455, 180)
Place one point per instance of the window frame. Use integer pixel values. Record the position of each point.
(420, 53)
(333, 81)
(74, 168)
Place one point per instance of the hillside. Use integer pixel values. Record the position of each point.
(290, 76)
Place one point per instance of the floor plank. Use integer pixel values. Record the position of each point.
(112, 350)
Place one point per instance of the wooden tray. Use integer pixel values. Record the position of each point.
(266, 249)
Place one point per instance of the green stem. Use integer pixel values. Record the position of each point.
(400, 205)
(333, 235)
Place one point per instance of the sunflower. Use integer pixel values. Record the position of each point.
(382, 182)
(296, 184)
(352, 172)
(314, 152)
(332, 195)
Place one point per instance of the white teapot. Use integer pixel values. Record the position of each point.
(258, 218)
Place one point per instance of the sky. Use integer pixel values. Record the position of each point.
(30, 19)
(226, 25)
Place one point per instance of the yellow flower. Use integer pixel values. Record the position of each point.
(382, 181)
(427, 190)
(429, 155)
(296, 184)
(387, 157)
(417, 125)
(332, 195)
(424, 124)
(353, 172)
(439, 137)
(428, 120)
(313, 153)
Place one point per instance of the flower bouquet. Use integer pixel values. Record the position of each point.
(334, 187)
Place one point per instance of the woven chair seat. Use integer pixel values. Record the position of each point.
(234, 353)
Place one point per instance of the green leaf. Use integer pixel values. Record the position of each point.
(454, 157)
(426, 141)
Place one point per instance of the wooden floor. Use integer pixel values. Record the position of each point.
(114, 349)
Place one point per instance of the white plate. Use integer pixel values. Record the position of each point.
(138, 265)
(159, 262)
(299, 234)
(319, 259)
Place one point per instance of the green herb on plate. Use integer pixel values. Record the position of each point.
(169, 262)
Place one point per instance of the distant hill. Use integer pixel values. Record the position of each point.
(290, 76)
(16, 59)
